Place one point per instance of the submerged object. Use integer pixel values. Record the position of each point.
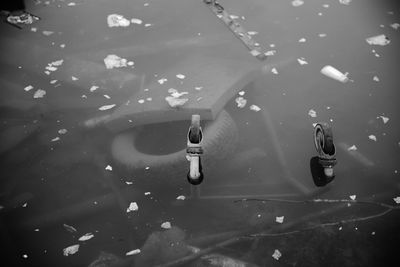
(323, 141)
(335, 74)
(194, 150)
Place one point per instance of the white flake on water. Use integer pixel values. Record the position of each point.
(345, 2)
(162, 80)
(277, 254)
(93, 88)
(181, 197)
(376, 79)
(352, 148)
(270, 53)
(302, 40)
(141, 101)
(302, 61)
(62, 45)
(106, 107)
(136, 21)
(297, 3)
(353, 197)
(34, 29)
(47, 33)
(148, 24)
(279, 219)
(115, 20)
(132, 207)
(133, 252)
(180, 76)
(28, 88)
(107, 96)
(255, 108)
(252, 33)
(147, 193)
(322, 35)
(384, 119)
(395, 25)
(274, 71)
(372, 137)
(86, 237)
(74, 78)
(312, 113)
(114, 61)
(53, 81)
(62, 131)
(71, 250)
(397, 200)
(39, 93)
(71, 4)
(378, 40)
(108, 168)
(241, 102)
(198, 88)
(166, 225)
(241, 93)
(175, 102)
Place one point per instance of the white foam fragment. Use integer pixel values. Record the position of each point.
(86, 237)
(352, 148)
(180, 76)
(277, 254)
(62, 131)
(162, 80)
(175, 102)
(353, 197)
(181, 197)
(274, 71)
(53, 81)
(71, 4)
(132, 207)
(147, 193)
(384, 119)
(376, 78)
(252, 33)
(166, 225)
(395, 26)
(55, 139)
(39, 93)
(302, 61)
(114, 61)
(28, 88)
(372, 137)
(397, 200)
(136, 21)
(279, 219)
(322, 35)
(74, 78)
(71, 250)
(297, 3)
(302, 40)
(270, 53)
(255, 108)
(141, 101)
(47, 33)
(241, 102)
(198, 88)
(106, 107)
(241, 93)
(93, 88)
(345, 2)
(378, 40)
(108, 168)
(133, 252)
(115, 20)
(312, 113)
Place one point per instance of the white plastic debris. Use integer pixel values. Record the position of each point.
(312, 113)
(71, 250)
(378, 40)
(47, 33)
(252, 33)
(277, 254)
(279, 219)
(175, 93)
(28, 88)
(147, 193)
(55, 139)
(180, 76)
(140, 101)
(162, 80)
(114, 61)
(74, 78)
(62, 131)
(241, 93)
(166, 225)
(335, 74)
(132, 207)
(302, 61)
(345, 2)
(133, 252)
(352, 148)
(241, 102)
(136, 21)
(376, 78)
(395, 25)
(106, 107)
(115, 20)
(86, 237)
(181, 197)
(297, 3)
(39, 93)
(372, 137)
(274, 71)
(108, 168)
(322, 35)
(353, 197)
(302, 40)
(198, 88)
(69, 228)
(384, 119)
(397, 200)
(93, 88)
(255, 108)
(176, 102)
(270, 53)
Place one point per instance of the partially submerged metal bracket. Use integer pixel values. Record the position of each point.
(194, 150)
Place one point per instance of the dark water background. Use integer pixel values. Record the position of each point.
(65, 182)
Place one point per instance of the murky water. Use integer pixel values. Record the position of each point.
(63, 177)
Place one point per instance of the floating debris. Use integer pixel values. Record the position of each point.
(132, 207)
(74, 78)
(181, 197)
(335, 74)
(279, 219)
(395, 26)
(241, 93)
(378, 40)
(345, 2)
(166, 225)
(47, 33)
(71, 4)
(277, 254)
(252, 33)
(114, 61)
(28, 88)
(376, 79)
(136, 21)
(302, 40)
(62, 131)
(353, 197)
(71, 250)
(372, 137)
(270, 53)
(147, 193)
(69, 228)
(115, 20)
(133, 252)
(297, 3)
(55, 139)
(108, 168)
(180, 76)
(241, 102)
(141, 101)
(397, 200)
(384, 119)
(255, 108)
(39, 93)
(198, 88)
(86, 237)
(302, 61)
(93, 88)
(162, 80)
(274, 71)
(106, 107)
(176, 102)
(352, 148)
(322, 35)
(312, 113)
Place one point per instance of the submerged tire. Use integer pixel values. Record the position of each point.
(219, 141)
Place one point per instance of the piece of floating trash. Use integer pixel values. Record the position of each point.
(378, 40)
(252, 33)
(335, 74)
(106, 107)
(93, 88)
(62, 131)
(395, 25)
(345, 2)
(86, 237)
(147, 193)
(372, 137)
(277, 254)
(136, 21)
(115, 20)
(69, 228)
(353, 197)
(397, 200)
(352, 148)
(312, 113)
(108, 168)
(181, 197)
(241, 93)
(180, 76)
(241, 102)
(71, 250)
(279, 219)
(384, 119)
(176, 102)
(114, 61)
(39, 93)
(255, 108)
(162, 80)
(166, 225)
(274, 71)
(74, 78)
(322, 35)
(133, 252)
(132, 207)
(28, 88)
(297, 3)
(47, 33)
(302, 61)
(376, 79)
(302, 40)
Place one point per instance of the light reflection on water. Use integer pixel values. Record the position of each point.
(66, 182)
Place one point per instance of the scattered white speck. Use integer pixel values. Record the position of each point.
(33, 29)
(146, 4)
(109, 168)
(149, 99)
(84, 96)
(162, 80)
(53, 81)
(395, 25)
(373, 233)
(297, 3)
(241, 93)
(372, 137)
(62, 45)
(376, 79)
(270, 53)
(147, 193)
(25, 256)
(272, 45)
(274, 71)
(255, 108)
(62, 131)
(107, 96)
(141, 101)
(28, 88)
(302, 40)
(345, 2)
(312, 113)
(106, 107)
(180, 76)
(133, 252)
(86, 237)
(74, 78)
(147, 168)
(93, 88)
(252, 33)
(39, 93)
(181, 197)
(277, 254)
(384, 119)
(128, 182)
(241, 102)
(352, 148)
(55, 139)
(132, 207)
(71, 250)
(322, 35)
(136, 21)
(279, 219)
(198, 88)
(352, 197)
(148, 24)
(47, 33)
(166, 225)
(130, 63)
(71, 4)
(302, 61)
(25, 205)
(397, 200)
(325, 5)
(340, 228)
